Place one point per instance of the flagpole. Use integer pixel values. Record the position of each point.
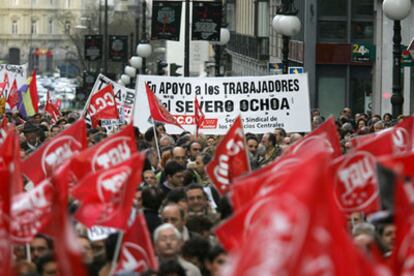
(28, 256)
(116, 253)
(156, 141)
(245, 145)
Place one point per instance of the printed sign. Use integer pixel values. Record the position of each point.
(363, 52)
(265, 102)
(97, 233)
(295, 70)
(166, 20)
(93, 47)
(13, 72)
(207, 18)
(118, 48)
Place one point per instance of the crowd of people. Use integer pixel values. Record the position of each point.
(180, 205)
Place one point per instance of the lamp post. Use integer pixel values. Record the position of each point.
(144, 49)
(287, 24)
(396, 10)
(224, 39)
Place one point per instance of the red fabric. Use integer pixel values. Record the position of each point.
(296, 231)
(41, 163)
(326, 132)
(68, 251)
(10, 159)
(52, 109)
(356, 183)
(5, 240)
(6, 80)
(31, 212)
(137, 253)
(198, 115)
(33, 92)
(111, 151)
(266, 179)
(158, 112)
(106, 196)
(230, 159)
(13, 97)
(102, 105)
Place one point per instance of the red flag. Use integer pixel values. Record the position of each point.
(31, 212)
(356, 183)
(13, 97)
(52, 109)
(68, 251)
(3, 128)
(137, 253)
(102, 105)
(158, 112)
(395, 140)
(300, 228)
(198, 115)
(41, 163)
(326, 132)
(113, 150)
(5, 84)
(230, 159)
(10, 159)
(266, 179)
(106, 196)
(58, 103)
(33, 92)
(5, 240)
(2, 87)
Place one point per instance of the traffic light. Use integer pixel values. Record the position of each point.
(173, 69)
(160, 67)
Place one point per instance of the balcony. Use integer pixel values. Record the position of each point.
(250, 46)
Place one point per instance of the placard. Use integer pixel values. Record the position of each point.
(206, 23)
(166, 20)
(265, 102)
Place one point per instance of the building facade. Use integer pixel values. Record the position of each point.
(41, 32)
(345, 46)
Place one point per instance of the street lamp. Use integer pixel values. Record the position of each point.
(144, 50)
(224, 39)
(396, 10)
(287, 24)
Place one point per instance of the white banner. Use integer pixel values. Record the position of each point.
(265, 102)
(18, 72)
(97, 233)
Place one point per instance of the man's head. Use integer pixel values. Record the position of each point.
(269, 140)
(31, 133)
(40, 246)
(179, 155)
(252, 144)
(197, 198)
(167, 241)
(174, 214)
(194, 148)
(387, 235)
(47, 265)
(149, 178)
(174, 172)
(54, 130)
(166, 141)
(201, 161)
(87, 253)
(280, 134)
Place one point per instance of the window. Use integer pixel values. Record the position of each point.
(34, 2)
(331, 89)
(263, 19)
(360, 89)
(50, 26)
(14, 27)
(67, 27)
(332, 8)
(33, 29)
(52, 2)
(67, 4)
(332, 30)
(15, 2)
(362, 31)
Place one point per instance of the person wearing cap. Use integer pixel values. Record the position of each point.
(32, 137)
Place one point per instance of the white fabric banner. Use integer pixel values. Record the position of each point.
(265, 102)
(14, 72)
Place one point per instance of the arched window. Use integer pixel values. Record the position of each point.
(14, 25)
